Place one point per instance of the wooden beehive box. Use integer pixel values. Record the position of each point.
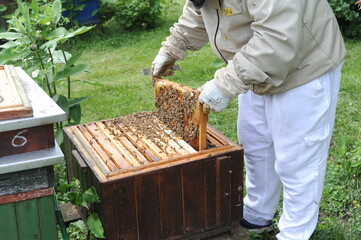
(28, 215)
(152, 184)
(27, 114)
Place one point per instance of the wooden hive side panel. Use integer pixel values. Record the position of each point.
(147, 206)
(193, 197)
(26, 140)
(237, 186)
(125, 209)
(29, 219)
(170, 202)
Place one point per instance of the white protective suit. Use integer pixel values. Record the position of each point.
(284, 60)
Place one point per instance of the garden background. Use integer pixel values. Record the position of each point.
(94, 74)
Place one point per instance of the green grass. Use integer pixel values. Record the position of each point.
(116, 59)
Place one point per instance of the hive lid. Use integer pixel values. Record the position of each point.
(14, 102)
(45, 110)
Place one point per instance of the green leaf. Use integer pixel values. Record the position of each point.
(95, 226)
(82, 30)
(79, 225)
(10, 35)
(69, 71)
(7, 55)
(56, 11)
(73, 59)
(27, 20)
(58, 56)
(45, 20)
(76, 198)
(64, 187)
(62, 102)
(75, 113)
(59, 137)
(76, 101)
(18, 25)
(56, 33)
(90, 196)
(34, 8)
(3, 8)
(8, 45)
(98, 84)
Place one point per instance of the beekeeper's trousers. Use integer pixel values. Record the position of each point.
(286, 138)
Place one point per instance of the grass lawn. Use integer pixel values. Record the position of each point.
(116, 59)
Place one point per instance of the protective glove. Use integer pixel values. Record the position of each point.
(212, 97)
(162, 65)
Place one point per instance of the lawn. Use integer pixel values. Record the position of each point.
(116, 59)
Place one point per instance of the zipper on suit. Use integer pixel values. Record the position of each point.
(215, 34)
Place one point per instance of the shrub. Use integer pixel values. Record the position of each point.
(348, 16)
(133, 14)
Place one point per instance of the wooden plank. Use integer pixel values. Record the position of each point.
(212, 196)
(170, 202)
(125, 155)
(133, 138)
(107, 211)
(87, 141)
(122, 140)
(26, 140)
(10, 69)
(96, 146)
(193, 197)
(147, 206)
(28, 180)
(13, 99)
(108, 148)
(17, 197)
(47, 219)
(125, 210)
(9, 93)
(176, 143)
(237, 186)
(88, 156)
(224, 167)
(158, 150)
(156, 166)
(213, 141)
(8, 223)
(27, 218)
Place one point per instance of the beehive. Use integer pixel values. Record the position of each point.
(154, 185)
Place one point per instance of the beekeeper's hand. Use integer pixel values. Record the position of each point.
(212, 97)
(162, 65)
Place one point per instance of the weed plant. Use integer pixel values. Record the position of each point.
(116, 59)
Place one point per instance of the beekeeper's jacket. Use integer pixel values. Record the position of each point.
(269, 46)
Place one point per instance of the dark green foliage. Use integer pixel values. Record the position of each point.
(348, 17)
(133, 14)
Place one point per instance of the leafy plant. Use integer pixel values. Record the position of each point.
(92, 227)
(35, 40)
(348, 17)
(133, 14)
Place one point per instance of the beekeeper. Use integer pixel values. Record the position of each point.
(284, 61)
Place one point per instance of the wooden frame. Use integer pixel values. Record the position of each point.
(14, 102)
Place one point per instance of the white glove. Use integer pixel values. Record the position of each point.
(162, 65)
(212, 97)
